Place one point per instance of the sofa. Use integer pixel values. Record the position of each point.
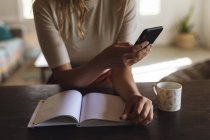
(198, 71)
(11, 53)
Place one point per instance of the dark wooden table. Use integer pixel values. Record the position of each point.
(192, 122)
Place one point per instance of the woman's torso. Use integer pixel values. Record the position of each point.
(103, 24)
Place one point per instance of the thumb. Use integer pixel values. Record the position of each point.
(126, 111)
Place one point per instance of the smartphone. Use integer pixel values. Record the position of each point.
(150, 35)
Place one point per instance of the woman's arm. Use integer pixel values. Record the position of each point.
(119, 55)
(78, 77)
(123, 82)
(138, 109)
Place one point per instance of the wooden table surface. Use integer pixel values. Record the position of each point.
(192, 122)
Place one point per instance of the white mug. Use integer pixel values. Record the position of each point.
(168, 95)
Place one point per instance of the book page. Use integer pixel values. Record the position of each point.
(102, 107)
(66, 103)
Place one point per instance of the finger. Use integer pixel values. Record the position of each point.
(139, 47)
(146, 49)
(130, 59)
(133, 115)
(149, 117)
(129, 56)
(137, 109)
(134, 58)
(138, 120)
(145, 121)
(127, 110)
(145, 112)
(151, 46)
(124, 43)
(144, 52)
(138, 55)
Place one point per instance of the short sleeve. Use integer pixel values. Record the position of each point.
(130, 31)
(52, 45)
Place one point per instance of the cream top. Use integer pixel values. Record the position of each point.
(107, 21)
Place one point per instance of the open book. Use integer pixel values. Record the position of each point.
(71, 108)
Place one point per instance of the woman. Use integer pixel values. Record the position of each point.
(85, 43)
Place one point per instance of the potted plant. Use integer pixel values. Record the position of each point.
(185, 37)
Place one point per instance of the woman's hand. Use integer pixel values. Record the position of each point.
(124, 54)
(138, 110)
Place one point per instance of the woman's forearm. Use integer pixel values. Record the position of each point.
(81, 76)
(124, 83)
(138, 109)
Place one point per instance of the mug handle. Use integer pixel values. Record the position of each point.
(154, 89)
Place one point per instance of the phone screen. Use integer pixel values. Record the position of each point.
(150, 35)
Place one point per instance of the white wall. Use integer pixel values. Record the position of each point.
(172, 11)
(206, 21)
(10, 10)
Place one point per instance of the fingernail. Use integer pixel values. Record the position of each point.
(146, 43)
(123, 117)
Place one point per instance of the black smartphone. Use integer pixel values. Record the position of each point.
(150, 35)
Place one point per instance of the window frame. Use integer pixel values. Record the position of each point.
(159, 9)
(23, 10)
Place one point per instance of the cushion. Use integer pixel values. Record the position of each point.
(5, 33)
(11, 46)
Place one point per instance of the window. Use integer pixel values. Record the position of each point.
(27, 9)
(150, 7)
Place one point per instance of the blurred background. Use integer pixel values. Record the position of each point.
(184, 42)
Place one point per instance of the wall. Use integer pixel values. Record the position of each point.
(171, 13)
(10, 10)
(206, 21)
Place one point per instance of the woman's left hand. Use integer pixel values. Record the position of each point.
(138, 110)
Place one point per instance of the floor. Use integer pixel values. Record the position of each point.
(27, 74)
(162, 61)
